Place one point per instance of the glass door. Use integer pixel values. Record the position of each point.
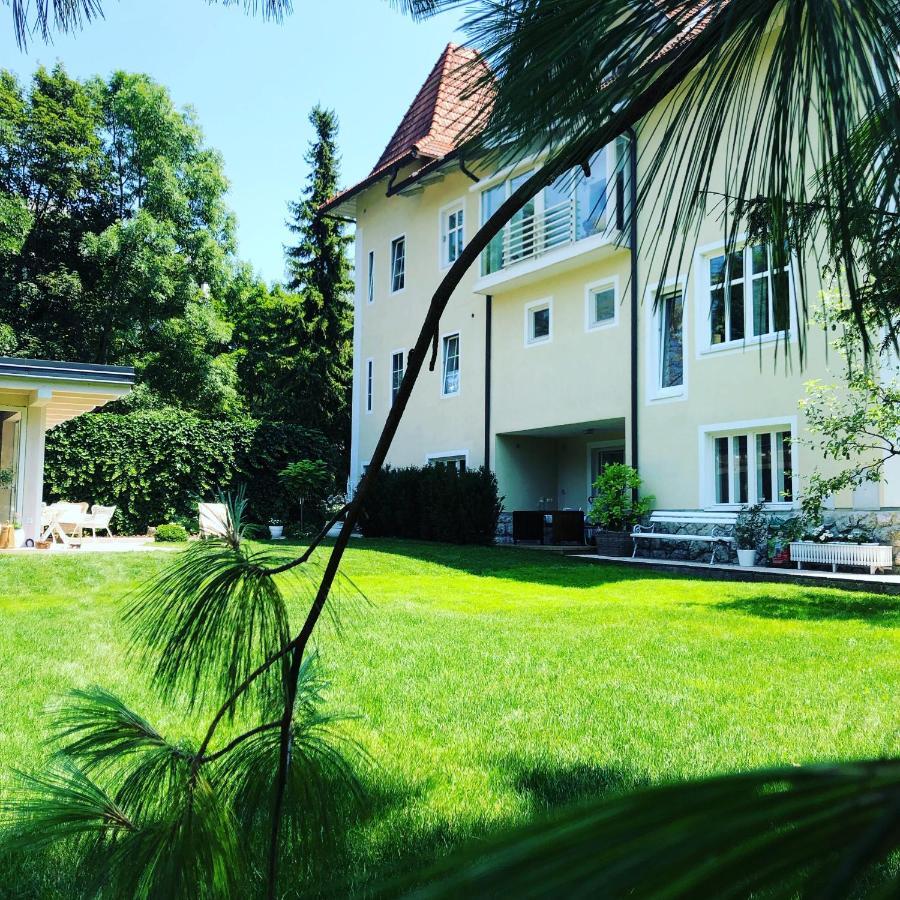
(601, 457)
(10, 458)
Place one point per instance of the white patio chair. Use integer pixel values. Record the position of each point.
(100, 519)
(214, 521)
(64, 522)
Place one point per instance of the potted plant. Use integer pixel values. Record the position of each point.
(617, 508)
(751, 531)
(19, 532)
(276, 529)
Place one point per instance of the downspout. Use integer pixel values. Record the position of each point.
(633, 244)
(487, 382)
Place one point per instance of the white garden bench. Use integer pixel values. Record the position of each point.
(674, 517)
(873, 556)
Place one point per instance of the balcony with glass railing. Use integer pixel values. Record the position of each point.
(576, 214)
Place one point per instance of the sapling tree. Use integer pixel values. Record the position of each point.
(853, 421)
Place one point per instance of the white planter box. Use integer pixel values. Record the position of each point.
(873, 556)
(746, 557)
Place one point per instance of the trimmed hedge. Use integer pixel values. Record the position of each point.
(434, 503)
(155, 466)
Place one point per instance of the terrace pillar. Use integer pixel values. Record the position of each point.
(33, 474)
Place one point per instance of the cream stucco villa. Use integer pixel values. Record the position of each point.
(554, 358)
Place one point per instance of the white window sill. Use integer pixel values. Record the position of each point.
(737, 507)
(600, 326)
(449, 396)
(540, 342)
(665, 395)
(761, 340)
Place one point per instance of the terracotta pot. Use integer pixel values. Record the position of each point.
(614, 543)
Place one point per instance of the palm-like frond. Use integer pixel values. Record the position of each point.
(322, 784)
(190, 852)
(62, 804)
(47, 17)
(97, 730)
(810, 831)
(95, 726)
(212, 617)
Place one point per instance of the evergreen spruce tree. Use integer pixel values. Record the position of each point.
(319, 271)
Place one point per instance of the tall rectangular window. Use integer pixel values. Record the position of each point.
(452, 234)
(450, 383)
(752, 467)
(370, 291)
(370, 383)
(396, 375)
(749, 294)
(671, 340)
(398, 264)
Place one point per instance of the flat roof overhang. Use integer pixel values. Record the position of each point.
(63, 389)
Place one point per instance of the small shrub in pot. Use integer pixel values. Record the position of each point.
(617, 508)
(751, 532)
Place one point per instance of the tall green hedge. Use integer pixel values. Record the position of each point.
(155, 466)
(435, 503)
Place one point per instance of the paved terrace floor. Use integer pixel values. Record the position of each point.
(881, 583)
(101, 545)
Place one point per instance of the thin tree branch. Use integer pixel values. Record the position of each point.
(239, 740)
(311, 548)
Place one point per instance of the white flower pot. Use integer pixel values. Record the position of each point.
(20, 537)
(747, 557)
(276, 532)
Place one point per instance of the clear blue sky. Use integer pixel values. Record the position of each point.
(253, 84)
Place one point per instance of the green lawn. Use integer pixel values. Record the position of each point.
(494, 683)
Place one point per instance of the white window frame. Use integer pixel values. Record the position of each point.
(750, 427)
(370, 286)
(593, 288)
(394, 242)
(394, 353)
(703, 289)
(535, 305)
(444, 339)
(443, 456)
(444, 230)
(654, 391)
(370, 384)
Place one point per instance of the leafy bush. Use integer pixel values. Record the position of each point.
(614, 507)
(751, 529)
(155, 466)
(434, 503)
(171, 534)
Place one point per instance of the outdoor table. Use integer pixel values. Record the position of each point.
(564, 525)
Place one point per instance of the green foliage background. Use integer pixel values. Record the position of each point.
(434, 503)
(156, 465)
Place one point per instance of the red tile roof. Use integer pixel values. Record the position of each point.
(451, 105)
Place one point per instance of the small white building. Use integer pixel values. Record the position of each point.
(35, 395)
